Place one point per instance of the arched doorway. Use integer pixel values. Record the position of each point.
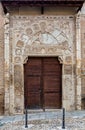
(43, 83)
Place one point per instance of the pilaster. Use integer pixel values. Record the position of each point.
(7, 63)
(78, 61)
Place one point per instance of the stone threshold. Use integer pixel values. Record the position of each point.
(41, 110)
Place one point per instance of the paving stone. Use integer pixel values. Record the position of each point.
(44, 121)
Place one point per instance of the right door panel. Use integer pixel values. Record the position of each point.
(52, 77)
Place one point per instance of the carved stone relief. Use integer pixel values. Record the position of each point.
(20, 44)
(68, 59)
(18, 51)
(44, 31)
(18, 88)
(18, 79)
(43, 36)
(17, 59)
(68, 69)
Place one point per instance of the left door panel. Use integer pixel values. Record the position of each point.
(32, 81)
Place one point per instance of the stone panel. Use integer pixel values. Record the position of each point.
(68, 60)
(68, 69)
(18, 82)
(69, 91)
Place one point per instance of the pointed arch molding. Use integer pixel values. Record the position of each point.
(43, 44)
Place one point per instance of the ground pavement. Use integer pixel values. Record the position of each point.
(48, 120)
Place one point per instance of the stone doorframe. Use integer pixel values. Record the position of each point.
(57, 59)
(60, 58)
(12, 99)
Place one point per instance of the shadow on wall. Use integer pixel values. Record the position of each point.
(83, 103)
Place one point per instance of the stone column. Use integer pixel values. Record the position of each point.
(1, 60)
(7, 68)
(78, 61)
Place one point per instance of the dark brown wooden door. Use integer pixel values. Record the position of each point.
(52, 83)
(33, 83)
(43, 83)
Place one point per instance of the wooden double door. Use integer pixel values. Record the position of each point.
(43, 83)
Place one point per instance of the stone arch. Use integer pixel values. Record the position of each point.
(49, 47)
